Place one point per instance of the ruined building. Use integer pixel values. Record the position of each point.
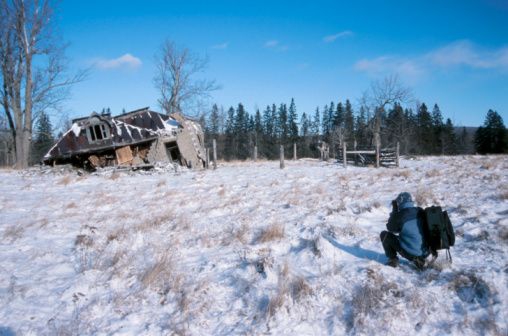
(139, 138)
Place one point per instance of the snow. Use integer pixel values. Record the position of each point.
(249, 249)
(76, 129)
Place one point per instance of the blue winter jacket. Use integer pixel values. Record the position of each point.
(408, 224)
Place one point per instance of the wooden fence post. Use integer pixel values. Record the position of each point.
(214, 154)
(344, 154)
(207, 162)
(294, 151)
(397, 154)
(378, 153)
(255, 153)
(355, 145)
(281, 157)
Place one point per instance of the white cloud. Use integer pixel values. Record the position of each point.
(332, 38)
(124, 61)
(271, 44)
(276, 45)
(221, 46)
(465, 53)
(459, 53)
(408, 69)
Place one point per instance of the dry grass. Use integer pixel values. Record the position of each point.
(433, 173)
(66, 180)
(402, 173)
(424, 196)
(503, 195)
(71, 205)
(241, 233)
(271, 233)
(158, 220)
(117, 235)
(13, 232)
(158, 276)
(83, 240)
(370, 298)
(161, 183)
(114, 175)
(299, 288)
(503, 233)
(222, 191)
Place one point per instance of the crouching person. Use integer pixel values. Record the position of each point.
(405, 233)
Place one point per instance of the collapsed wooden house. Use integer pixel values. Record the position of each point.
(140, 138)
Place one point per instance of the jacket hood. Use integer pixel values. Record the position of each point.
(404, 200)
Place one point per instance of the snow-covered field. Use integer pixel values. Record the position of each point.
(249, 249)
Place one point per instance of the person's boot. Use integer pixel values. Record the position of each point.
(419, 262)
(393, 262)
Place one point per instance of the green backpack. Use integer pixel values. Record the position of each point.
(438, 230)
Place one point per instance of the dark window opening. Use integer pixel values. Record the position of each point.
(173, 152)
(97, 132)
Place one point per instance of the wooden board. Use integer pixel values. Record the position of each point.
(123, 155)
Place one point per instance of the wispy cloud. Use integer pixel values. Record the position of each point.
(332, 38)
(409, 69)
(221, 46)
(276, 45)
(124, 61)
(457, 54)
(465, 53)
(271, 44)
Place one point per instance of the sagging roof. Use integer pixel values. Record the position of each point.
(99, 132)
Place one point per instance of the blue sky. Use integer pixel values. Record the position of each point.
(454, 53)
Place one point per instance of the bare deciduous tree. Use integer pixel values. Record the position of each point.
(176, 80)
(32, 69)
(381, 95)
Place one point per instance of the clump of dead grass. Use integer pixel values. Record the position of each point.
(503, 195)
(300, 288)
(370, 298)
(402, 173)
(433, 173)
(241, 233)
(271, 233)
(66, 180)
(13, 232)
(83, 240)
(114, 175)
(424, 196)
(71, 205)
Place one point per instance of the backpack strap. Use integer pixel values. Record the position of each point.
(449, 255)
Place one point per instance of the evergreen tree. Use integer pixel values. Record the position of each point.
(276, 126)
(492, 137)
(325, 124)
(229, 145)
(338, 117)
(268, 122)
(213, 123)
(349, 121)
(283, 124)
(292, 123)
(305, 136)
(241, 131)
(450, 145)
(425, 130)
(315, 123)
(44, 139)
(361, 129)
(437, 125)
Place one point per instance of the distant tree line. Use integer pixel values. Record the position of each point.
(419, 131)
